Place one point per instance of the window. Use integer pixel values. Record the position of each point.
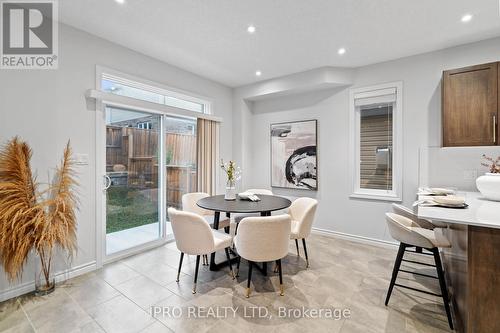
(145, 125)
(376, 123)
(124, 87)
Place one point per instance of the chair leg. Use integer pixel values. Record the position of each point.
(305, 252)
(229, 262)
(196, 273)
(238, 267)
(297, 246)
(395, 271)
(250, 265)
(278, 262)
(442, 285)
(180, 266)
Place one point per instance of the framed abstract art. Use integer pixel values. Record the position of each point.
(294, 155)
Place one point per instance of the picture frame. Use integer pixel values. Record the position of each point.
(294, 161)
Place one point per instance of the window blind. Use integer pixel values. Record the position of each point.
(372, 97)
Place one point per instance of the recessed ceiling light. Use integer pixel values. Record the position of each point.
(251, 29)
(120, 1)
(466, 18)
(258, 73)
(341, 51)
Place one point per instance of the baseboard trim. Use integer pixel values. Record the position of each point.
(27, 287)
(355, 238)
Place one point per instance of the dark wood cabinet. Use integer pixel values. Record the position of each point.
(470, 106)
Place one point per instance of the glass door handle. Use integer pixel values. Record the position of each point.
(107, 182)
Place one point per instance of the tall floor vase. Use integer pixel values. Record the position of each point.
(44, 277)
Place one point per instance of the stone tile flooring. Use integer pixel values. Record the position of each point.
(343, 275)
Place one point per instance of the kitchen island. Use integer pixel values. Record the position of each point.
(472, 264)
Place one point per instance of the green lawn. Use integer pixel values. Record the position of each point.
(128, 208)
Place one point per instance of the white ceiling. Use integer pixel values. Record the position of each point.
(209, 37)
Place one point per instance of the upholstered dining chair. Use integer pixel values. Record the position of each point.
(404, 230)
(189, 201)
(193, 236)
(240, 216)
(263, 239)
(260, 191)
(189, 204)
(302, 212)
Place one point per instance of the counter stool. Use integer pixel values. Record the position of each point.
(423, 223)
(404, 230)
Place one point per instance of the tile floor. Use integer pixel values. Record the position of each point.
(343, 275)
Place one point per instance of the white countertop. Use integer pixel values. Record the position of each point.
(481, 212)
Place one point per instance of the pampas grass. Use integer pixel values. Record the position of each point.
(31, 219)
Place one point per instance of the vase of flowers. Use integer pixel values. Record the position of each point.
(489, 183)
(233, 174)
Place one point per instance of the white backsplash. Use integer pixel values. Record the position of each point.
(453, 167)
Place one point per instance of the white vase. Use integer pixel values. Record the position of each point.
(230, 191)
(489, 186)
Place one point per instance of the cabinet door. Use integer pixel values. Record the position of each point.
(470, 103)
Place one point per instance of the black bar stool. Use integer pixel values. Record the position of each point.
(409, 234)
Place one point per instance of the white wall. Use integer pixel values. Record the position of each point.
(421, 77)
(47, 107)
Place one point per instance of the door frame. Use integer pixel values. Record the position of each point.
(102, 257)
(100, 156)
(101, 216)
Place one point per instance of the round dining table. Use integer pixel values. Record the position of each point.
(217, 203)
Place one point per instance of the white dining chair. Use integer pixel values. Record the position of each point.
(302, 212)
(240, 216)
(408, 234)
(193, 236)
(263, 239)
(260, 191)
(189, 204)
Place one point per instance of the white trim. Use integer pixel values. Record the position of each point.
(100, 171)
(370, 195)
(161, 88)
(355, 238)
(136, 250)
(137, 104)
(396, 194)
(67, 274)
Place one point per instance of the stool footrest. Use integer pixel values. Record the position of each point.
(418, 262)
(420, 290)
(424, 253)
(417, 273)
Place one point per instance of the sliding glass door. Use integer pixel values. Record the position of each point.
(180, 160)
(150, 164)
(132, 179)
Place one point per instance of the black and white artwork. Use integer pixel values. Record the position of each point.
(293, 155)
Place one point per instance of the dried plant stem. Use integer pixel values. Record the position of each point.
(28, 222)
(46, 260)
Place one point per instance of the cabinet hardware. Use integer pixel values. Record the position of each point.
(494, 129)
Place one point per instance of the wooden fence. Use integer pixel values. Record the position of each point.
(133, 153)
